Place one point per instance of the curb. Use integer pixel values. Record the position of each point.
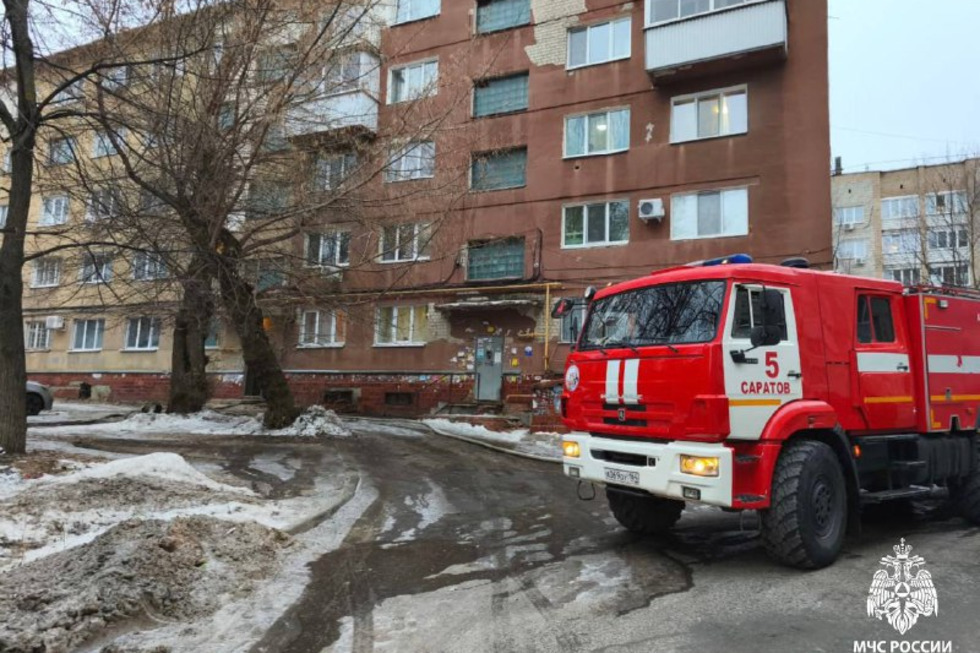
(493, 447)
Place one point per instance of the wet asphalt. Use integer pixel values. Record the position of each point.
(467, 549)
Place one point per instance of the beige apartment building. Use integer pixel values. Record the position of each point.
(916, 225)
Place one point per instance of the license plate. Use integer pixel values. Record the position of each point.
(622, 477)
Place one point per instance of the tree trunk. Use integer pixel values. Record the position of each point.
(189, 389)
(260, 358)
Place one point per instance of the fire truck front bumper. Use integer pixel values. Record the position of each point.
(689, 471)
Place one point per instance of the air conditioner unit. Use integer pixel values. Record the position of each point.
(849, 227)
(859, 261)
(332, 272)
(54, 322)
(652, 209)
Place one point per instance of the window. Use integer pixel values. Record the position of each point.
(265, 274)
(322, 328)
(115, 78)
(409, 10)
(498, 259)
(46, 273)
(330, 170)
(947, 238)
(413, 81)
(414, 161)
(950, 275)
(599, 43)
(267, 199)
(3, 215)
(36, 336)
(343, 73)
(88, 335)
(102, 144)
(102, 205)
(54, 210)
(572, 321)
(148, 267)
(405, 242)
(328, 249)
(499, 170)
(274, 64)
(899, 208)
(708, 214)
(213, 339)
(143, 334)
(900, 242)
(605, 132)
(905, 276)
(949, 203)
(402, 325)
(603, 223)
(96, 268)
(849, 216)
(61, 151)
(275, 139)
(659, 11)
(748, 313)
(874, 320)
(709, 115)
(852, 250)
(71, 93)
(501, 95)
(7, 163)
(496, 15)
(226, 116)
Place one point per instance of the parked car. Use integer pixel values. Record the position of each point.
(39, 398)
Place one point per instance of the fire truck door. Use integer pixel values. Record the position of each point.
(768, 377)
(881, 358)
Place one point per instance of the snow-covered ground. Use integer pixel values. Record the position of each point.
(538, 444)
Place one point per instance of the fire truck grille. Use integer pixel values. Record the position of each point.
(620, 457)
(615, 421)
(633, 408)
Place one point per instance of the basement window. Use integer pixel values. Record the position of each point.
(399, 399)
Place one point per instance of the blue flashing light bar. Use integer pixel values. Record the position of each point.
(734, 259)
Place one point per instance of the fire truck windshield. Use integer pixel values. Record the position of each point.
(669, 314)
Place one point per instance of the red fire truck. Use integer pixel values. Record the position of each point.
(799, 393)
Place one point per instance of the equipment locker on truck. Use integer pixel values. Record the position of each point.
(799, 393)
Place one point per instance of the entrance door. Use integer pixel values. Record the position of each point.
(767, 377)
(882, 362)
(489, 368)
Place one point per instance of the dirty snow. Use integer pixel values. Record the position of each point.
(165, 466)
(430, 508)
(538, 444)
(316, 421)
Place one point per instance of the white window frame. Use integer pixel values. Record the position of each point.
(891, 273)
(413, 341)
(413, 18)
(420, 247)
(102, 144)
(72, 149)
(37, 272)
(909, 242)
(425, 90)
(325, 236)
(3, 215)
(849, 211)
(585, 228)
(37, 335)
(845, 249)
(697, 98)
(900, 200)
(149, 267)
(99, 326)
(394, 172)
(952, 244)
(936, 270)
(101, 264)
(102, 205)
(141, 324)
(612, 34)
(325, 336)
(955, 198)
(648, 13)
(723, 234)
(50, 217)
(588, 116)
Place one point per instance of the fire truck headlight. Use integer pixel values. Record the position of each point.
(572, 378)
(699, 466)
(571, 449)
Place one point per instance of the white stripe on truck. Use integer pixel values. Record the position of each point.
(876, 362)
(612, 381)
(631, 380)
(954, 364)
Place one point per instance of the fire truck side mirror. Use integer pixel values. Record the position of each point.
(562, 308)
(769, 333)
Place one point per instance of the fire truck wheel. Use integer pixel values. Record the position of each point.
(644, 515)
(805, 525)
(967, 499)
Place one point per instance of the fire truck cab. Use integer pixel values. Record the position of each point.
(799, 393)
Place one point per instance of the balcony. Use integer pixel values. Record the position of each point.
(354, 110)
(753, 33)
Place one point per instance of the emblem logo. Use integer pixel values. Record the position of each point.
(906, 593)
(622, 414)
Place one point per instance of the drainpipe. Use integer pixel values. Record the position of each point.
(547, 328)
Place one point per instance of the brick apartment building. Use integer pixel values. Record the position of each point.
(602, 140)
(915, 225)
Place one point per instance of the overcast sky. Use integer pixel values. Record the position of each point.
(904, 81)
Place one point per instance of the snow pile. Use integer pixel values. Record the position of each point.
(184, 569)
(537, 444)
(165, 466)
(206, 422)
(316, 422)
